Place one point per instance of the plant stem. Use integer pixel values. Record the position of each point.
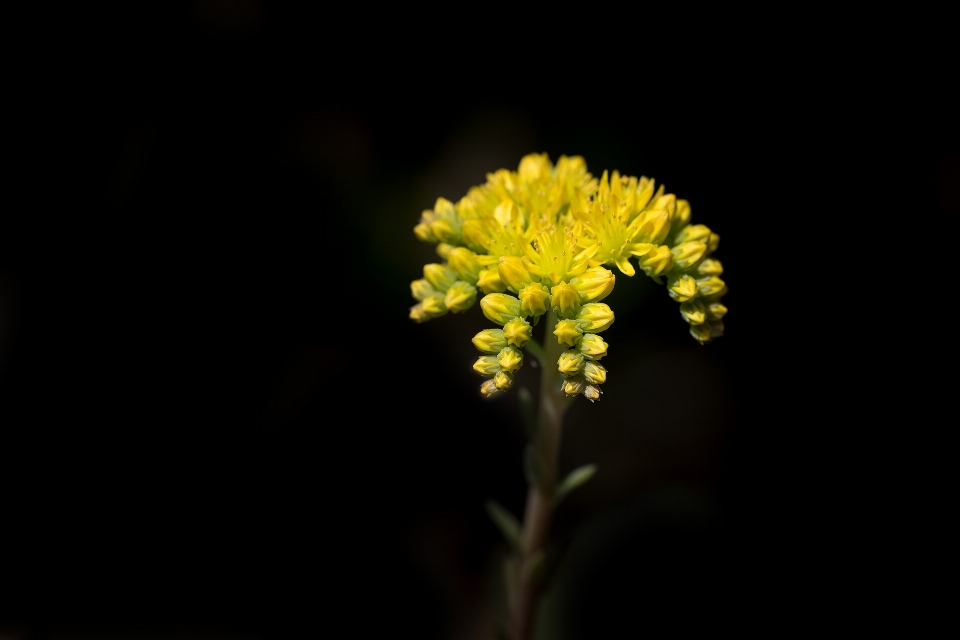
(539, 509)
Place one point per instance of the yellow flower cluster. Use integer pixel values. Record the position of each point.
(539, 239)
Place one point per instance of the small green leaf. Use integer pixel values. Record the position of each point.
(505, 521)
(576, 478)
(529, 412)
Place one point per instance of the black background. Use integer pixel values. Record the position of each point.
(218, 421)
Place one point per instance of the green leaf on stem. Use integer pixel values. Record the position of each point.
(505, 521)
(576, 478)
(529, 412)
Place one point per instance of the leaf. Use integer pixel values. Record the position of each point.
(528, 412)
(505, 521)
(576, 478)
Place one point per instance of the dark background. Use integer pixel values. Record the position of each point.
(218, 421)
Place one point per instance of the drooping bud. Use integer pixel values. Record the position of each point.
(681, 288)
(716, 311)
(573, 386)
(489, 388)
(503, 380)
(701, 332)
(464, 262)
(513, 273)
(592, 346)
(489, 281)
(490, 341)
(592, 392)
(534, 299)
(656, 261)
(421, 289)
(594, 373)
(500, 307)
(710, 267)
(443, 250)
(693, 232)
(694, 311)
(486, 366)
(711, 289)
(595, 316)
(571, 362)
(568, 332)
(687, 255)
(417, 314)
(440, 276)
(460, 296)
(566, 299)
(510, 359)
(594, 284)
(517, 332)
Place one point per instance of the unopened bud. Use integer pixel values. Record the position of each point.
(443, 250)
(595, 316)
(503, 380)
(713, 243)
(656, 261)
(594, 284)
(681, 216)
(434, 306)
(592, 346)
(513, 273)
(594, 373)
(440, 276)
(716, 328)
(573, 386)
(681, 288)
(464, 262)
(446, 231)
(490, 341)
(534, 299)
(571, 362)
(701, 332)
(500, 307)
(711, 289)
(510, 359)
(566, 299)
(489, 281)
(694, 311)
(592, 392)
(693, 232)
(710, 267)
(652, 226)
(486, 366)
(460, 296)
(716, 311)
(489, 388)
(687, 255)
(517, 332)
(423, 232)
(421, 289)
(568, 332)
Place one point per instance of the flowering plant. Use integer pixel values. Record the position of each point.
(541, 243)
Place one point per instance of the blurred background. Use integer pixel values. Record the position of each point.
(217, 421)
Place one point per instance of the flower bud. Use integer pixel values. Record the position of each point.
(446, 231)
(594, 373)
(490, 341)
(687, 255)
(464, 262)
(417, 314)
(568, 332)
(486, 366)
(566, 299)
(592, 346)
(423, 232)
(489, 281)
(594, 284)
(489, 388)
(592, 392)
(716, 311)
(694, 311)
(440, 276)
(510, 359)
(710, 267)
(711, 289)
(681, 216)
(434, 306)
(652, 226)
(681, 288)
(500, 307)
(443, 250)
(693, 232)
(701, 332)
(534, 299)
(656, 261)
(503, 380)
(421, 289)
(513, 273)
(571, 362)
(712, 243)
(595, 316)
(460, 296)
(716, 328)
(517, 332)
(573, 386)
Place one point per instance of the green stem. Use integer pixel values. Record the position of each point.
(539, 510)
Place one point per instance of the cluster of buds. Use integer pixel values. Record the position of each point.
(540, 239)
